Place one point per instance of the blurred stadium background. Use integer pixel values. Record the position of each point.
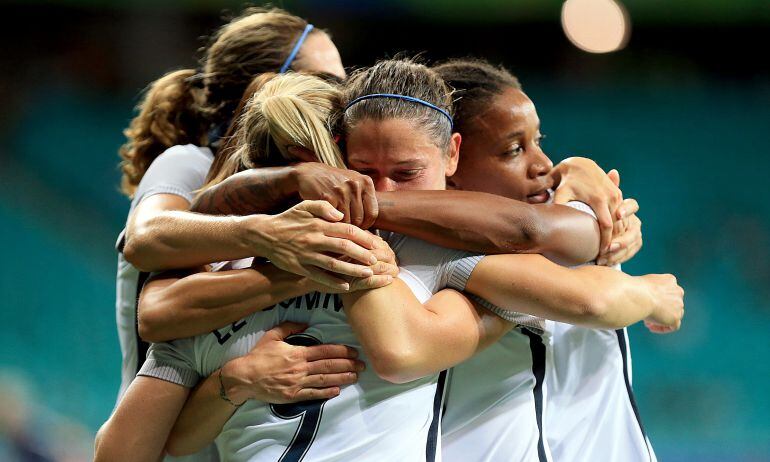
(683, 111)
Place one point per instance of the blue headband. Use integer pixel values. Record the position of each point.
(405, 98)
(296, 48)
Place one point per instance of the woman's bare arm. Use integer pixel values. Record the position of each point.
(179, 305)
(458, 219)
(138, 429)
(405, 339)
(592, 296)
(490, 224)
(160, 236)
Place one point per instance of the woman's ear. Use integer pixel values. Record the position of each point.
(453, 155)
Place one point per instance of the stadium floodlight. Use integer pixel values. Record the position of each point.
(596, 26)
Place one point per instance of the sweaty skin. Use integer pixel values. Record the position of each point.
(502, 154)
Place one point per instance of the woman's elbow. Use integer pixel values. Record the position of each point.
(595, 311)
(103, 450)
(150, 325)
(137, 249)
(394, 365)
(97, 444)
(525, 231)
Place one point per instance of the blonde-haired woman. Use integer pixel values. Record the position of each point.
(166, 159)
(122, 437)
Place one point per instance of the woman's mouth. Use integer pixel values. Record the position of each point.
(539, 197)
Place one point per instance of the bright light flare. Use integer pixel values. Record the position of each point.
(596, 26)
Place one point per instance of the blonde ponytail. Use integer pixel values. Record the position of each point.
(169, 114)
(288, 110)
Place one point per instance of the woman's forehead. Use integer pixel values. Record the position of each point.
(392, 142)
(509, 111)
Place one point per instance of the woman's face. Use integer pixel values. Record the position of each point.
(501, 151)
(397, 155)
(319, 54)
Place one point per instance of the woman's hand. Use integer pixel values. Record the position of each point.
(276, 372)
(669, 303)
(301, 240)
(383, 271)
(348, 191)
(626, 236)
(581, 179)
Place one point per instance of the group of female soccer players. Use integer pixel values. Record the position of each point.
(299, 310)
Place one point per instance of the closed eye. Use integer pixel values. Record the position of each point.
(405, 175)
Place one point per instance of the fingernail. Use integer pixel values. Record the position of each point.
(601, 261)
(345, 287)
(360, 366)
(337, 214)
(614, 246)
(372, 260)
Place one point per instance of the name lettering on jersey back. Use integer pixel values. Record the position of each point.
(224, 334)
(313, 301)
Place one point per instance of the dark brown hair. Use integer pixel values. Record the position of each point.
(475, 82)
(401, 77)
(181, 106)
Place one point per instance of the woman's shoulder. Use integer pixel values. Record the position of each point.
(188, 151)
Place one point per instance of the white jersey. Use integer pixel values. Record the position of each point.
(592, 413)
(179, 170)
(496, 401)
(371, 420)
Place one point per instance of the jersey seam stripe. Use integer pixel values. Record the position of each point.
(447, 390)
(141, 345)
(537, 349)
(621, 334)
(431, 446)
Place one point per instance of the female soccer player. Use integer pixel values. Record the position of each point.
(178, 111)
(589, 412)
(562, 296)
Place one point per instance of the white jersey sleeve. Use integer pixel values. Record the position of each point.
(583, 207)
(179, 170)
(437, 267)
(173, 362)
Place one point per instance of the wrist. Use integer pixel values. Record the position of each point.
(303, 285)
(293, 285)
(253, 234)
(650, 295)
(232, 388)
(289, 181)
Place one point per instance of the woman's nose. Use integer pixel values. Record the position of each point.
(540, 165)
(384, 184)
